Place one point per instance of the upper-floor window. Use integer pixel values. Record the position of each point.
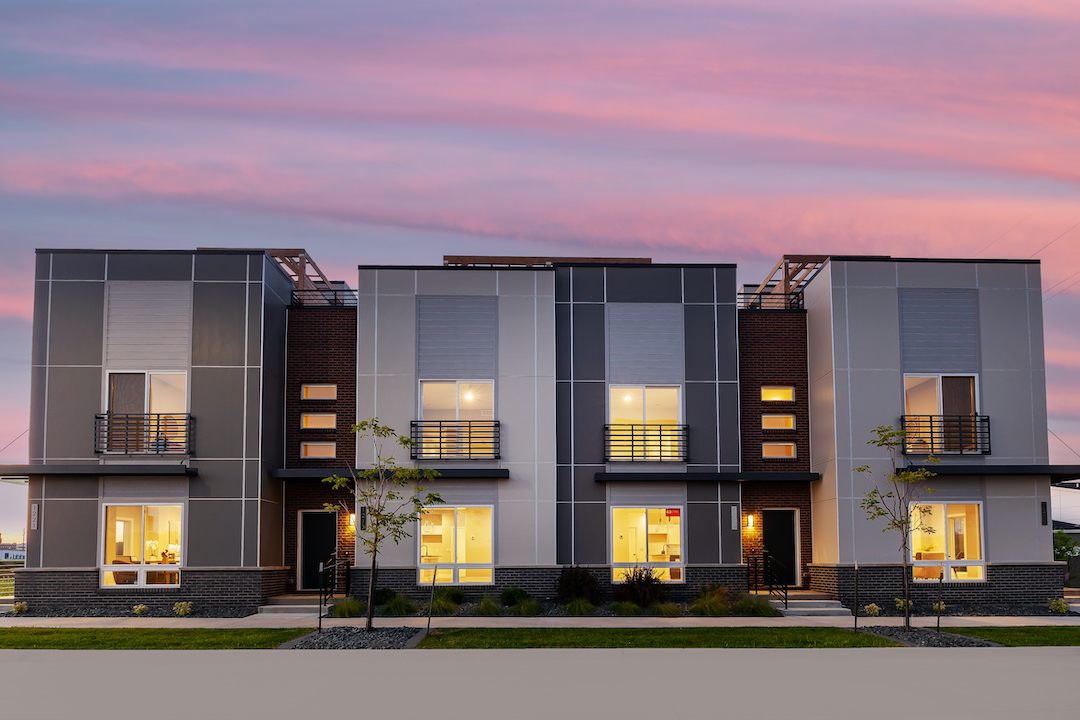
(644, 423)
(318, 391)
(778, 422)
(457, 420)
(940, 395)
(318, 450)
(318, 421)
(778, 450)
(142, 545)
(146, 413)
(457, 400)
(941, 415)
(777, 393)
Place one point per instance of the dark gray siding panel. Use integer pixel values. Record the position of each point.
(78, 266)
(217, 326)
(254, 403)
(562, 284)
(725, 285)
(730, 539)
(270, 535)
(37, 413)
(590, 533)
(644, 285)
(589, 359)
(254, 323)
(702, 533)
(251, 533)
(727, 333)
(701, 491)
(217, 478)
(564, 533)
(563, 424)
(221, 267)
(76, 321)
(217, 404)
(585, 485)
(701, 423)
(74, 399)
(589, 419)
(255, 266)
(729, 424)
(588, 284)
(939, 330)
(730, 491)
(70, 539)
(456, 337)
(645, 343)
(700, 342)
(698, 285)
(149, 266)
(42, 265)
(69, 488)
(41, 322)
(564, 484)
(273, 367)
(563, 357)
(214, 533)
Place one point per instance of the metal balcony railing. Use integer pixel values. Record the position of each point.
(648, 443)
(147, 434)
(327, 297)
(770, 301)
(946, 434)
(455, 439)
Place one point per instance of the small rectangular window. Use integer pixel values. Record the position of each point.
(777, 393)
(318, 421)
(316, 450)
(777, 422)
(774, 450)
(318, 392)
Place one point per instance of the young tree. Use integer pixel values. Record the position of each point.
(897, 500)
(391, 495)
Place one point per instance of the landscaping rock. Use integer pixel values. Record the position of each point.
(351, 638)
(923, 637)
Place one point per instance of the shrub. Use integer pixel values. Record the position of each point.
(182, 609)
(939, 608)
(712, 601)
(441, 605)
(527, 608)
(140, 610)
(625, 607)
(576, 582)
(19, 608)
(383, 596)
(899, 602)
(665, 610)
(488, 608)
(512, 596)
(753, 606)
(580, 606)
(872, 610)
(1058, 605)
(348, 607)
(453, 594)
(641, 587)
(399, 606)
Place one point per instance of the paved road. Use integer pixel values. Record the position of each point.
(878, 683)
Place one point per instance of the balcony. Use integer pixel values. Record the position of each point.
(770, 301)
(145, 434)
(946, 434)
(645, 443)
(455, 439)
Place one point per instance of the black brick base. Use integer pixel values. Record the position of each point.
(78, 591)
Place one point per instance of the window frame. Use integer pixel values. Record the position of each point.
(681, 564)
(940, 399)
(142, 567)
(305, 386)
(947, 564)
(318, 457)
(455, 567)
(778, 415)
(763, 388)
(794, 450)
(457, 397)
(105, 394)
(644, 388)
(305, 415)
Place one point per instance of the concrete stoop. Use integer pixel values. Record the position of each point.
(293, 605)
(7, 607)
(811, 608)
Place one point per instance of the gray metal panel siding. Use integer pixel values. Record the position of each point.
(74, 397)
(585, 486)
(78, 266)
(701, 420)
(149, 266)
(221, 267)
(75, 323)
(700, 342)
(214, 533)
(645, 343)
(149, 326)
(702, 533)
(588, 339)
(729, 423)
(730, 539)
(590, 414)
(939, 330)
(217, 404)
(217, 328)
(564, 533)
(644, 284)
(456, 336)
(590, 533)
(71, 540)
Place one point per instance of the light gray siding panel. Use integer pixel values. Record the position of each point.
(456, 336)
(939, 330)
(645, 343)
(149, 325)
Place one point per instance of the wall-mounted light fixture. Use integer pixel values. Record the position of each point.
(352, 519)
(750, 521)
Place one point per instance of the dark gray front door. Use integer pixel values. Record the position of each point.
(778, 537)
(318, 540)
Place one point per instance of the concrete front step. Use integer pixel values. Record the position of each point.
(812, 608)
(7, 607)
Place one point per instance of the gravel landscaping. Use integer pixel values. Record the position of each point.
(922, 637)
(351, 638)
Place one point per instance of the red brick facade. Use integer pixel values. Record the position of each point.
(311, 495)
(772, 351)
(321, 349)
(758, 496)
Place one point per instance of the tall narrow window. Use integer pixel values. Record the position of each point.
(644, 424)
(459, 541)
(142, 545)
(457, 420)
(947, 539)
(647, 537)
(147, 413)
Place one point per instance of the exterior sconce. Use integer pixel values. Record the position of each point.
(750, 521)
(352, 519)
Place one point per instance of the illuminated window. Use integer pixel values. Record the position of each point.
(946, 538)
(317, 450)
(147, 413)
(647, 537)
(318, 421)
(940, 415)
(142, 545)
(778, 450)
(318, 392)
(459, 541)
(644, 423)
(777, 422)
(777, 393)
(456, 420)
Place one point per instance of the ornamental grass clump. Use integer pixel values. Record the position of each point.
(752, 606)
(641, 586)
(488, 608)
(182, 609)
(625, 607)
(1058, 605)
(512, 596)
(19, 608)
(140, 610)
(579, 607)
(348, 607)
(383, 596)
(900, 604)
(527, 608)
(872, 610)
(669, 610)
(441, 604)
(399, 606)
(712, 601)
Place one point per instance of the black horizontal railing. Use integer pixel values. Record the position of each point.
(770, 301)
(145, 434)
(946, 434)
(650, 443)
(324, 298)
(455, 439)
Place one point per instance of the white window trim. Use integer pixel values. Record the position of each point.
(455, 566)
(457, 397)
(938, 376)
(680, 410)
(682, 541)
(948, 564)
(142, 568)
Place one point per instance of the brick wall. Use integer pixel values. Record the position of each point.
(311, 495)
(321, 349)
(772, 351)
(758, 496)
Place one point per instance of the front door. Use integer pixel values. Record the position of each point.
(778, 539)
(318, 540)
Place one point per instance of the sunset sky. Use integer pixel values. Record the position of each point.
(398, 131)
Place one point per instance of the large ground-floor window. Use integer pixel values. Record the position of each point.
(949, 542)
(647, 537)
(457, 544)
(142, 545)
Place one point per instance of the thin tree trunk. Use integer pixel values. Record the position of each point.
(372, 577)
(907, 590)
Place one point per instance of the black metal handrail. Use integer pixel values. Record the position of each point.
(946, 434)
(329, 297)
(775, 571)
(455, 439)
(143, 434)
(649, 443)
(770, 301)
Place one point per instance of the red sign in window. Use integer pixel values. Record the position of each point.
(672, 512)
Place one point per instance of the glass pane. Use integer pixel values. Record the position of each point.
(777, 422)
(162, 543)
(476, 401)
(122, 577)
(474, 535)
(928, 533)
(318, 420)
(168, 394)
(777, 394)
(926, 572)
(967, 572)
(662, 406)
(318, 392)
(123, 535)
(127, 393)
(629, 537)
(162, 577)
(963, 532)
(778, 450)
(627, 406)
(446, 575)
(437, 536)
(318, 450)
(438, 400)
(665, 539)
(921, 396)
(475, 575)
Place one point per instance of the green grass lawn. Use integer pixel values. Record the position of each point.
(145, 638)
(1024, 636)
(706, 637)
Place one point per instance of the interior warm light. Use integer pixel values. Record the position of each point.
(119, 531)
(627, 398)
(468, 396)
